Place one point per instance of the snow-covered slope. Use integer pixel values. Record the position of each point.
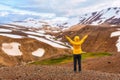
(29, 23)
(22, 32)
(45, 25)
(109, 16)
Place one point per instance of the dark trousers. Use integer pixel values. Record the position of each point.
(77, 59)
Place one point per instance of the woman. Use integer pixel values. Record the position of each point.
(77, 51)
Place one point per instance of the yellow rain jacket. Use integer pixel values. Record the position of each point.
(76, 43)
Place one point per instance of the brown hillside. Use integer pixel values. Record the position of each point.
(109, 64)
(28, 45)
(99, 39)
(75, 28)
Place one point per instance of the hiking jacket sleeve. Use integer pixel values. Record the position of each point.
(83, 39)
(69, 39)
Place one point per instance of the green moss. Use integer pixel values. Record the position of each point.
(94, 55)
(52, 61)
(69, 58)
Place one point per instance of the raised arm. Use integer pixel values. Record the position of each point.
(69, 39)
(83, 39)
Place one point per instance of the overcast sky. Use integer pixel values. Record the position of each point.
(52, 8)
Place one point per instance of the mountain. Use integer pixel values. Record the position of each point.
(109, 16)
(105, 16)
(44, 25)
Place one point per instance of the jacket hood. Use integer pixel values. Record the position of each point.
(76, 38)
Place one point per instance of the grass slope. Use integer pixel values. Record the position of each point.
(69, 58)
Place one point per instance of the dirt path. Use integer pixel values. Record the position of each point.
(52, 73)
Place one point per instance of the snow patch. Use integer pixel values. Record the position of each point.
(47, 41)
(113, 34)
(113, 25)
(12, 49)
(55, 31)
(117, 33)
(39, 52)
(118, 44)
(39, 34)
(11, 35)
(33, 33)
(49, 37)
(9, 26)
(5, 30)
(41, 31)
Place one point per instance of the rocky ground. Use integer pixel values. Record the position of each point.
(33, 72)
(109, 64)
